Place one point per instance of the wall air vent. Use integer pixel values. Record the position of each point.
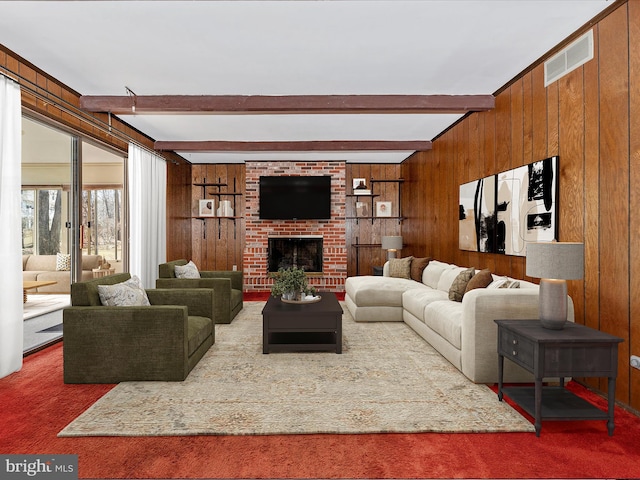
(570, 58)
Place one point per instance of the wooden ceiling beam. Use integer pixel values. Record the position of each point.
(286, 104)
(296, 146)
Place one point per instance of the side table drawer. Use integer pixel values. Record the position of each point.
(516, 348)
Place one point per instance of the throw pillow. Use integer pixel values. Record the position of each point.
(126, 294)
(417, 267)
(504, 282)
(459, 285)
(63, 262)
(187, 271)
(482, 279)
(400, 267)
(510, 284)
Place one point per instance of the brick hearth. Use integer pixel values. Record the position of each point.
(258, 231)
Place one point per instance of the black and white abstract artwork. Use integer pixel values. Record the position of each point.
(477, 215)
(524, 209)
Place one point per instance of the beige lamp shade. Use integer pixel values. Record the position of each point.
(560, 260)
(392, 243)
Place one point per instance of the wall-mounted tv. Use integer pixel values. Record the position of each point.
(295, 197)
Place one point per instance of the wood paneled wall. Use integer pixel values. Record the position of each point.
(217, 244)
(367, 231)
(179, 233)
(591, 119)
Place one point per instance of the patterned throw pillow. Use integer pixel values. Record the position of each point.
(187, 271)
(400, 267)
(417, 267)
(504, 282)
(124, 294)
(63, 262)
(482, 279)
(459, 285)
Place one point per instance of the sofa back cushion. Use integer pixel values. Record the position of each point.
(41, 263)
(48, 263)
(448, 276)
(433, 271)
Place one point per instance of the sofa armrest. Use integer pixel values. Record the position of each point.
(234, 276)
(139, 343)
(199, 301)
(480, 333)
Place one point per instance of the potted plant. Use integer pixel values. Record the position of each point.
(290, 283)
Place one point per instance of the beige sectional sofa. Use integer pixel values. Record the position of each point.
(463, 332)
(43, 268)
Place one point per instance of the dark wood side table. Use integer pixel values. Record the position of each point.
(575, 351)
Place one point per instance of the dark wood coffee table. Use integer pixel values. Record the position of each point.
(302, 327)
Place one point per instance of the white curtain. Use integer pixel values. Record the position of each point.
(147, 213)
(10, 222)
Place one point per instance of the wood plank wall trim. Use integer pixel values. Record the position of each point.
(591, 119)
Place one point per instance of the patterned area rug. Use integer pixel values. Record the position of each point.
(388, 379)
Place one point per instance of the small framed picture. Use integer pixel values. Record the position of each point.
(362, 209)
(206, 208)
(383, 209)
(360, 187)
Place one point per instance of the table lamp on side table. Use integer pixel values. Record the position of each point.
(392, 244)
(554, 263)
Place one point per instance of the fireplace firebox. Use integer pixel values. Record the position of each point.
(302, 251)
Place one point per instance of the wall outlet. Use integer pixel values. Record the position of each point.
(234, 268)
(635, 361)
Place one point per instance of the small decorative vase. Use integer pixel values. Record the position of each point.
(289, 295)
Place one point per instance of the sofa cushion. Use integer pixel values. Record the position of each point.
(126, 294)
(445, 318)
(400, 267)
(433, 271)
(481, 279)
(417, 267)
(46, 263)
(447, 278)
(459, 285)
(416, 299)
(198, 330)
(187, 271)
(371, 291)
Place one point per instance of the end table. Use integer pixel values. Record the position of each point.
(575, 351)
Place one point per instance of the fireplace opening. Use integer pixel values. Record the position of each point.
(303, 252)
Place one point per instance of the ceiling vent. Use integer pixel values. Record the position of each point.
(570, 58)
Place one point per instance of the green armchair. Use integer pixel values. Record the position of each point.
(226, 284)
(160, 342)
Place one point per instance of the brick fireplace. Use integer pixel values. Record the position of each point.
(331, 232)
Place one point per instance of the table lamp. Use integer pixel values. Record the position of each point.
(391, 244)
(554, 263)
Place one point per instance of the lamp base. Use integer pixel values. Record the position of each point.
(391, 254)
(553, 303)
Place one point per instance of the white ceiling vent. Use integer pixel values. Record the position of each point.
(563, 62)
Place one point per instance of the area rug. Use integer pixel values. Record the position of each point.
(388, 379)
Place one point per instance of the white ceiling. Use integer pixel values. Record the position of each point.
(330, 47)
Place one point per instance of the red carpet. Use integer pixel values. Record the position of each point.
(36, 405)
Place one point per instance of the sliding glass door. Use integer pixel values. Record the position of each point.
(52, 159)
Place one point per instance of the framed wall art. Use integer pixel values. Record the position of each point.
(383, 209)
(523, 209)
(206, 208)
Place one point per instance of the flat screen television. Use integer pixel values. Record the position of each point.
(295, 197)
